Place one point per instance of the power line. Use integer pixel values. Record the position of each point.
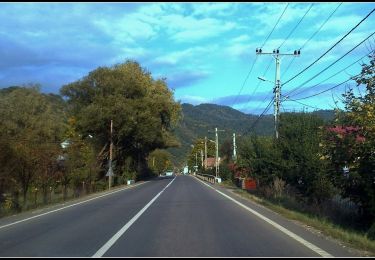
(295, 27)
(326, 89)
(329, 48)
(312, 36)
(289, 99)
(260, 116)
(275, 25)
(243, 84)
(252, 66)
(329, 17)
(316, 75)
(333, 74)
(291, 32)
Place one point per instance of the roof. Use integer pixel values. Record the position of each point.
(210, 162)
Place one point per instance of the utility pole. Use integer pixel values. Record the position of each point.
(277, 90)
(234, 147)
(110, 159)
(205, 152)
(202, 157)
(217, 150)
(196, 162)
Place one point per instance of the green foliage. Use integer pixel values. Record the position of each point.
(294, 157)
(30, 135)
(351, 144)
(142, 109)
(371, 232)
(258, 154)
(197, 153)
(198, 120)
(159, 161)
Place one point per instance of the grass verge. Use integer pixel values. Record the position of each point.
(346, 237)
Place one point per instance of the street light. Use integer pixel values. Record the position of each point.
(263, 79)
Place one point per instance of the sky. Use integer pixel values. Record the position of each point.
(206, 51)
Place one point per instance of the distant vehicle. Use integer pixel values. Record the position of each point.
(169, 173)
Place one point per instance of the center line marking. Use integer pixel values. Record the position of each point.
(274, 224)
(113, 240)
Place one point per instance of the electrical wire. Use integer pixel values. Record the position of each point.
(312, 36)
(295, 27)
(326, 89)
(332, 75)
(316, 75)
(314, 62)
(252, 66)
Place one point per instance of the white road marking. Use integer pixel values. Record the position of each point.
(113, 240)
(75, 204)
(274, 224)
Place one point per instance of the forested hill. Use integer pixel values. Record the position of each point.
(198, 120)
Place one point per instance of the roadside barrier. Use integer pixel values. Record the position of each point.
(206, 177)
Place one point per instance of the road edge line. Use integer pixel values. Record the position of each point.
(309, 245)
(69, 206)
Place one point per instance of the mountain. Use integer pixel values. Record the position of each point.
(198, 120)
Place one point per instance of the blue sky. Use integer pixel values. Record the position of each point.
(205, 50)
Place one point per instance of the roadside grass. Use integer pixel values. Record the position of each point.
(347, 237)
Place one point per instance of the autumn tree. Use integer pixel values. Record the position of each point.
(349, 146)
(31, 132)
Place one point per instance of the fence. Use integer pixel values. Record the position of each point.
(206, 177)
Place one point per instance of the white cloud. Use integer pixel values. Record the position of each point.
(214, 9)
(194, 100)
(189, 29)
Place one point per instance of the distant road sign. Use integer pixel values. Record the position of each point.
(110, 172)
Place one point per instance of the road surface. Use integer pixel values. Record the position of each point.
(165, 217)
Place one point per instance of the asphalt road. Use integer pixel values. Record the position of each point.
(165, 217)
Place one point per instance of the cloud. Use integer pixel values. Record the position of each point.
(233, 100)
(194, 100)
(214, 9)
(189, 29)
(187, 78)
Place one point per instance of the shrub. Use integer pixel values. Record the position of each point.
(371, 232)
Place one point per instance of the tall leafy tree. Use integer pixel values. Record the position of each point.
(142, 109)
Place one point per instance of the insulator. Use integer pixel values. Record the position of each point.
(277, 51)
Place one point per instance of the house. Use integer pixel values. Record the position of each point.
(210, 163)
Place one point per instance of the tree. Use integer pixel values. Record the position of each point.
(351, 143)
(31, 129)
(142, 109)
(159, 161)
(195, 157)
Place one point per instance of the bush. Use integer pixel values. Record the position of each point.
(371, 232)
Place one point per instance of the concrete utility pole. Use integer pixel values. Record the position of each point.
(110, 159)
(217, 150)
(196, 160)
(202, 157)
(277, 90)
(205, 152)
(234, 147)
